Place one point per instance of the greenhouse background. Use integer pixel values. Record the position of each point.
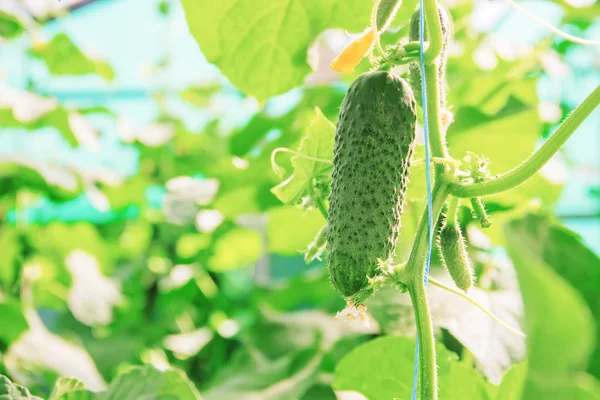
(140, 81)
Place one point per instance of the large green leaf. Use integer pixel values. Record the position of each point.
(146, 383)
(151, 384)
(565, 252)
(261, 45)
(560, 327)
(383, 369)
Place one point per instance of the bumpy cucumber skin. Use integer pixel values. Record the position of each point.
(453, 254)
(415, 70)
(374, 143)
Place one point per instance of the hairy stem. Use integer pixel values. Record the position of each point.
(452, 208)
(434, 28)
(427, 363)
(537, 160)
(415, 269)
(436, 136)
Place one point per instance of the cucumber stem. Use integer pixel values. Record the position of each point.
(537, 160)
(434, 27)
(415, 269)
(480, 213)
(452, 209)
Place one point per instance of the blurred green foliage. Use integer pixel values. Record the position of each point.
(202, 288)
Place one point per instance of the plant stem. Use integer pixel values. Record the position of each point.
(434, 27)
(480, 213)
(436, 137)
(427, 362)
(452, 208)
(318, 202)
(415, 269)
(537, 160)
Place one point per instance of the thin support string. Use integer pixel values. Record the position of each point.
(427, 177)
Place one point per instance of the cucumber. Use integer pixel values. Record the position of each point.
(374, 143)
(453, 255)
(415, 70)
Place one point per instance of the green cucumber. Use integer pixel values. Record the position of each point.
(374, 143)
(453, 254)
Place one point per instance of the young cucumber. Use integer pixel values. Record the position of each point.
(453, 254)
(374, 143)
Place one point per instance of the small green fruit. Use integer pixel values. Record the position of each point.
(453, 254)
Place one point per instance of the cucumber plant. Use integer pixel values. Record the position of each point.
(373, 149)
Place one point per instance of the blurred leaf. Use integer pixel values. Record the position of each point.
(146, 383)
(493, 347)
(512, 384)
(251, 377)
(236, 249)
(11, 246)
(39, 112)
(560, 327)
(262, 48)
(12, 391)
(565, 252)
(58, 183)
(506, 137)
(64, 386)
(39, 350)
(129, 192)
(10, 25)
(63, 57)
(316, 143)
(304, 290)
(383, 369)
(151, 384)
(287, 241)
(14, 323)
(199, 96)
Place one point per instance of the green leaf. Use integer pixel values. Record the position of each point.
(565, 252)
(236, 249)
(286, 241)
(261, 45)
(10, 25)
(58, 183)
(14, 323)
(317, 143)
(512, 383)
(63, 57)
(251, 377)
(560, 327)
(11, 246)
(64, 386)
(506, 138)
(148, 383)
(383, 369)
(12, 391)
